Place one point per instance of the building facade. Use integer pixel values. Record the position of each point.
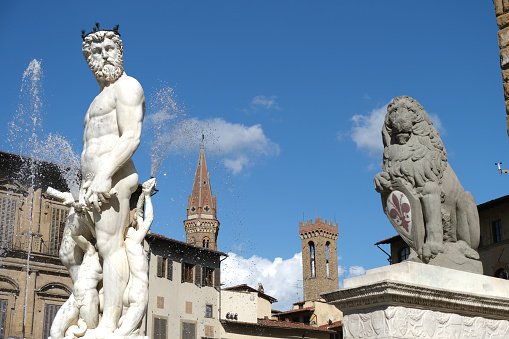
(184, 290)
(33, 282)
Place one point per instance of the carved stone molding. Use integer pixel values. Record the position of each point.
(405, 322)
(392, 293)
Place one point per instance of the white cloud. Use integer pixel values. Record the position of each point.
(281, 278)
(262, 102)
(366, 131)
(355, 271)
(437, 123)
(239, 145)
(266, 102)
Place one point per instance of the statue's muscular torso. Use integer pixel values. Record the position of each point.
(103, 131)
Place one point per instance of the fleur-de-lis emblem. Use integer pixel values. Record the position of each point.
(399, 210)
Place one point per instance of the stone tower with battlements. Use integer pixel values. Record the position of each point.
(319, 257)
(201, 225)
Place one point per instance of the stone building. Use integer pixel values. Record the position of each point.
(494, 244)
(201, 225)
(246, 313)
(33, 282)
(319, 257)
(184, 290)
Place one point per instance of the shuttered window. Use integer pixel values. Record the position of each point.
(159, 328)
(169, 269)
(187, 273)
(217, 277)
(58, 218)
(207, 277)
(197, 273)
(7, 221)
(3, 317)
(188, 330)
(50, 311)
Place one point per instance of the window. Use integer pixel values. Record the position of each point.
(161, 267)
(327, 245)
(502, 274)
(496, 227)
(50, 311)
(58, 218)
(164, 268)
(159, 328)
(207, 276)
(188, 330)
(217, 277)
(205, 242)
(7, 221)
(187, 272)
(208, 311)
(403, 254)
(3, 317)
(169, 269)
(312, 259)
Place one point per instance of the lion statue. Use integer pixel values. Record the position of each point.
(421, 194)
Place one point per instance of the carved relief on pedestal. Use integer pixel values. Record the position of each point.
(401, 322)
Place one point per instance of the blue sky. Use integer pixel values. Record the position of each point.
(289, 95)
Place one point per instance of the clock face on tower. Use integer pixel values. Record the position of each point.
(193, 209)
(206, 208)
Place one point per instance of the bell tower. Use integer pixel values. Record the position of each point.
(201, 225)
(319, 257)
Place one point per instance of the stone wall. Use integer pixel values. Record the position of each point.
(323, 236)
(502, 13)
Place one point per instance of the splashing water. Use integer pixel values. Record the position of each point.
(26, 123)
(165, 119)
(25, 131)
(58, 150)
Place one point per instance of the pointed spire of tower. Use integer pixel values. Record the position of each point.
(202, 225)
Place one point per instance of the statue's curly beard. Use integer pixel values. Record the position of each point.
(107, 70)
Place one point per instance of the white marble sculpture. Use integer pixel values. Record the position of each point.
(94, 245)
(421, 194)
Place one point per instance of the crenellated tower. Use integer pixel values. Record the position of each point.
(319, 257)
(201, 225)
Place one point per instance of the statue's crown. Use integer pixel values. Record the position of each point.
(97, 29)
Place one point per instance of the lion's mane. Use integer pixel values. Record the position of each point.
(423, 158)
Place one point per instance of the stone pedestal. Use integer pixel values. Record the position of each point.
(414, 300)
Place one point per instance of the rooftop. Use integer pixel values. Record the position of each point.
(246, 288)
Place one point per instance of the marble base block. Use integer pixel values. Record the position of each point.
(414, 300)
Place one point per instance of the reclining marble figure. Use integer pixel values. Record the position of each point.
(421, 195)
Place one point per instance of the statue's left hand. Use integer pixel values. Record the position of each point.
(97, 191)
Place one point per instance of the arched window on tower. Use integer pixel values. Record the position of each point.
(327, 246)
(312, 259)
(205, 242)
(192, 241)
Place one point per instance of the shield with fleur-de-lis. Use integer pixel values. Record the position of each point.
(403, 208)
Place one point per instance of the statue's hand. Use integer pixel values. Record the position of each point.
(97, 191)
(382, 181)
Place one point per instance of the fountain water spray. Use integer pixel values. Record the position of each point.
(163, 120)
(24, 139)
